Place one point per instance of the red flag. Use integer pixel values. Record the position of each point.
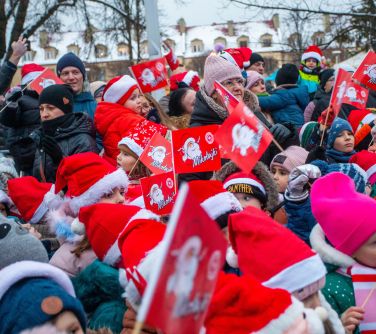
(339, 90)
(243, 137)
(183, 280)
(151, 75)
(355, 95)
(195, 150)
(229, 100)
(366, 72)
(45, 79)
(159, 192)
(157, 155)
(171, 58)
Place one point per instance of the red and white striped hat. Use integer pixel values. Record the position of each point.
(29, 72)
(119, 89)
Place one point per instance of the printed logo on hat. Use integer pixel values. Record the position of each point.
(65, 100)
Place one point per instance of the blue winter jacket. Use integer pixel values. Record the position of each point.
(286, 104)
(85, 102)
(300, 219)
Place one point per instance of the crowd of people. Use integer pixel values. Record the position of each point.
(73, 217)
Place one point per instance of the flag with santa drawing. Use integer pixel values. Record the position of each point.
(159, 192)
(150, 75)
(45, 79)
(355, 95)
(243, 137)
(366, 72)
(183, 280)
(157, 155)
(229, 100)
(195, 150)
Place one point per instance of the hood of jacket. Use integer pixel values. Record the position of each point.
(292, 93)
(261, 172)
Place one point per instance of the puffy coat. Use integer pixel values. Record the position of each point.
(286, 103)
(85, 102)
(311, 81)
(112, 122)
(77, 136)
(7, 71)
(22, 117)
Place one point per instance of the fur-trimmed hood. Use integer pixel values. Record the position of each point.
(327, 252)
(261, 172)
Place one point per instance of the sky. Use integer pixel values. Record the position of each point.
(200, 12)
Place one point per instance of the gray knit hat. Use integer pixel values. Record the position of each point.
(7, 172)
(218, 69)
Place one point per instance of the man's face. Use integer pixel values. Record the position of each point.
(258, 66)
(73, 77)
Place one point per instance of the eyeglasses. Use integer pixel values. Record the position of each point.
(232, 82)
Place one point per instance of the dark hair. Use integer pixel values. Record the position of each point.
(175, 105)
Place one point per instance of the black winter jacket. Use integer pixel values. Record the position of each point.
(75, 137)
(7, 71)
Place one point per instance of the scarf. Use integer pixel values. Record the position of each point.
(364, 283)
(338, 156)
(49, 127)
(307, 70)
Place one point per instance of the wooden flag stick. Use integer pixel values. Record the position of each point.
(134, 166)
(325, 124)
(369, 296)
(137, 327)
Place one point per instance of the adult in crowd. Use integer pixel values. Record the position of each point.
(257, 63)
(62, 132)
(96, 89)
(181, 106)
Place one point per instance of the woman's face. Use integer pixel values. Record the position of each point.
(116, 196)
(258, 87)
(344, 142)
(188, 101)
(134, 102)
(49, 112)
(235, 87)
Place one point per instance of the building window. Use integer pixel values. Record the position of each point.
(100, 51)
(220, 40)
(28, 56)
(74, 49)
(122, 50)
(197, 45)
(266, 40)
(50, 53)
(243, 41)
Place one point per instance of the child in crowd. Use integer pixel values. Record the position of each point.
(310, 69)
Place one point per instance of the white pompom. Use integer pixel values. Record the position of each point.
(123, 278)
(322, 313)
(232, 258)
(77, 227)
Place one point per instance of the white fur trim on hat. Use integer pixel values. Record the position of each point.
(370, 171)
(244, 180)
(220, 204)
(299, 275)
(232, 258)
(189, 77)
(113, 254)
(311, 54)
(315, 320)
(333, 318)
(30, 77)
(119, 88)
(46, 204)
(78, 227)
(107, 183)
(133, 146)
(139, 201)
(18, 271)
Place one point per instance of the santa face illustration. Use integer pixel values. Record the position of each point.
(371, 72)
(156, 195)
(241, 137)
(351, 93)
(191, 149)
(46, 82)
(148, 77)
(158, 154)
(181, 282)
(341, 90)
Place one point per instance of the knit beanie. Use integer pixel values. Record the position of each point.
(255, 57)
(60, 96)
(218, 69)
(119, 89)
(175, 107)
(70, 59)
(36, 293)
(324, 76)
(96, 88)
(306, 132)
(352, 170)
(29, 72)
(335, 130)
(287, 74)
(346, 216)
(290, 158)
(7, 172)
(252, 78)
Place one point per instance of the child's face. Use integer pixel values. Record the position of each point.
(116, 196)
(248, 200)
(134, 102)
(311, 63)
(281, 177)
(125, 160)
(67, 322)
(258, 87)
(344, 142)
(366, 254)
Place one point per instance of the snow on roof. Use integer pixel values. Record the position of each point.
(353, 61)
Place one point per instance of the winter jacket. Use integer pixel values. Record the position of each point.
(76, 137)
(308, 112)
(22, 117)
(321, 104)
(99, 290)
(85, 102)
(7, 71)
(286, 103)
(300, 219)
(311, 81)
(112, 121)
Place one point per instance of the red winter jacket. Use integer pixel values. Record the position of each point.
(112, 121)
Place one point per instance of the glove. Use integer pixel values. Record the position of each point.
(318, 153)
(153, 116)
(52, 148)
(299, 179)
(331, 116)
(13, 94)
(280, 132)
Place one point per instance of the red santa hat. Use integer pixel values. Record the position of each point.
(255, 238)
(104, 223)
(88, 177)
(242, 305)
(32, 198)
(313, 51)
(119, 89)
(29, 72)
(214, 199)
(190, 78)
(238, 56)
(139, 136)
(367, 161)
(358, 117)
